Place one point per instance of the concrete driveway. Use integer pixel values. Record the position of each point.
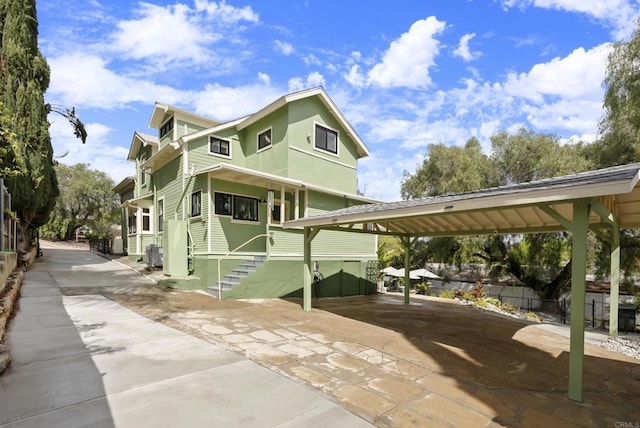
(81, 359)
(432, 363)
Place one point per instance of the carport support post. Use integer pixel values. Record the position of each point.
(578, 284)
(309, 234)
(615, 280)
(406, 240)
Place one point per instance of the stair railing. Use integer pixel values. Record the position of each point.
(263, 235)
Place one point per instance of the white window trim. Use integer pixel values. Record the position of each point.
(258, 149)
(214, 204)
(141, 220)
(326, 152)
(171, 133)
(220, 155)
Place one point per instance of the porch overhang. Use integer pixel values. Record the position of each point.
(142, 201)
(238, 174)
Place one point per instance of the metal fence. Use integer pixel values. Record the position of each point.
(101, 245)
(596, 312)
(9, 225)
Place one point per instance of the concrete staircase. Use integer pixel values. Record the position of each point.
(237, 275)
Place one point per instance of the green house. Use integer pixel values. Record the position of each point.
(210, 198)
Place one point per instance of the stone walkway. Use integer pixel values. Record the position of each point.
(433, 363)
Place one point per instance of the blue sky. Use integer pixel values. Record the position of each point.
(404, 73)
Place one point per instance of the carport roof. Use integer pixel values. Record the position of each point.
(536, 206)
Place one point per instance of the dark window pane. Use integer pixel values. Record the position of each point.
(222, 202)
(219, 146)
(245, 208)
(264, 139)
(196, 199)
(326, 139)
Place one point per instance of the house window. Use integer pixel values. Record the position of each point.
(222, 202)
(196, 203)
(326, 139)
(160, 215)
(264, 139)
(146, 219)
(219, 146)
(133, 222)
(166, 127)
(275, 212)
(245, 208)
(143, 176)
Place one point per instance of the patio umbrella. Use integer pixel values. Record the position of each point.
(411, 274)
(391, 271)
(424, 273)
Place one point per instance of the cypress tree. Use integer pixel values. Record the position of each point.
(25, 78)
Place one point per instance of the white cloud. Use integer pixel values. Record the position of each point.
(619, 14)
(226, 103)
(407, 61)
(99, 152)
(283, 47)
(192, 32)
(85, 81)
(264, 78)
(463, 50)
(355, 77)
(576, 76)
(311, 81)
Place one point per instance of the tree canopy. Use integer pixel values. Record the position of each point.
(86, 199)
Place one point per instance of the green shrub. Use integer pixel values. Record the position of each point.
(493, 301)
(532, 316)
(467, 295)
(508, 307)
(448, 294)
(481, 303)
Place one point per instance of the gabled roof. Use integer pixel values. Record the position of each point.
(160, 110)
(140, 139)
(524, 207)
(127, 183)
(326, 100)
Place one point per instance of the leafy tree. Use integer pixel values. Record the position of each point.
(9, 164)
(538, 260)
(620, 125)
(86, 199)
(25, 77)
(448, 169)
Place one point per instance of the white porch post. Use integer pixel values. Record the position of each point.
(307, 269)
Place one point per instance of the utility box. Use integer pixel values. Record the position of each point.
(174, 242)
(154, 256)
(117, 247)
(627, 317)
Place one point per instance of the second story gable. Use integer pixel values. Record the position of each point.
(301, 136)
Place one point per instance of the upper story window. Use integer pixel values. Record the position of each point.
(133, 222)
(219, 146)
(166, 127)
(143, 175)
(264, 139)
(326, 139)
(196, 203)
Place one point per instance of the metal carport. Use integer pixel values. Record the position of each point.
(603, 201)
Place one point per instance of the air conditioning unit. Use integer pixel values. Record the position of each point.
(154, 256)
